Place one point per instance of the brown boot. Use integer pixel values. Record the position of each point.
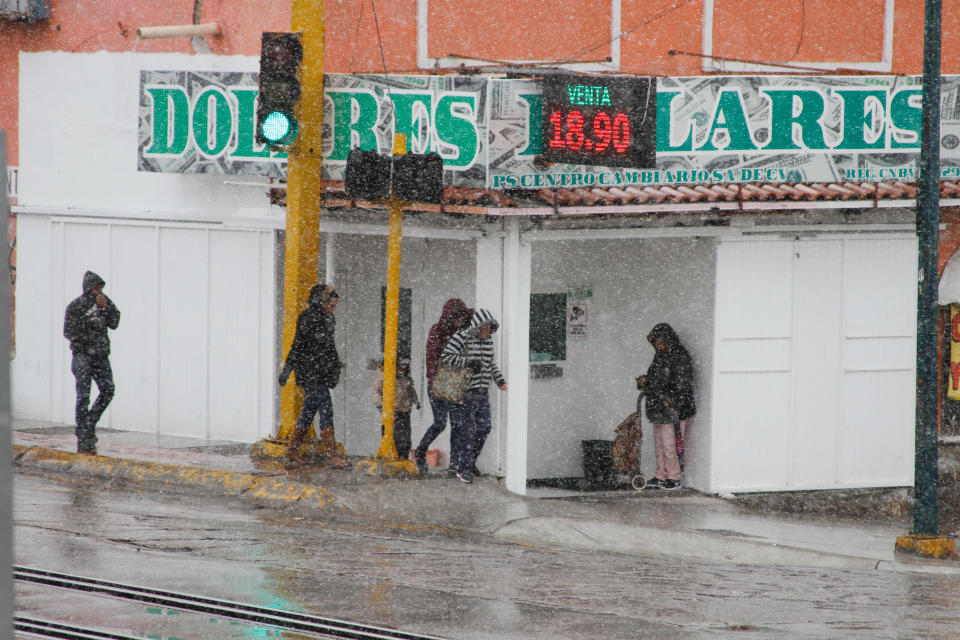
(293, 447)
(331, 456)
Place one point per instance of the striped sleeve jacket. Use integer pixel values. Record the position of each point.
(466, 349)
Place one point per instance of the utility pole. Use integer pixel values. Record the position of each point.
(6, 474)
(928, 223)
(388, 460)
(302, 238)
(925, 539)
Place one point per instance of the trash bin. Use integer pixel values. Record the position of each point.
(598, 471)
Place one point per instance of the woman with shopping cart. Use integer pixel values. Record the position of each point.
(668, 390)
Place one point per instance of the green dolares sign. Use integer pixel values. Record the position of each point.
(219, 121)
(722, 129)
(205, 122)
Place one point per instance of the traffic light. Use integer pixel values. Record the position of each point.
(418, 177)
(279, 88)
(367, 176)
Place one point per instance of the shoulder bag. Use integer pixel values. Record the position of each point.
(451, 383)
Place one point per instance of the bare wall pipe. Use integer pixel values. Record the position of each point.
(179, 31)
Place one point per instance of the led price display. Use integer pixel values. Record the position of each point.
(599, 120)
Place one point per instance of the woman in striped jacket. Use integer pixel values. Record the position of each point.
(470, 422)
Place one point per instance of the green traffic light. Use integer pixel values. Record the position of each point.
(279, 128)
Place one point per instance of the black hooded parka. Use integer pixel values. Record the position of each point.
(313, 355)
(85, 324)
(669, 379)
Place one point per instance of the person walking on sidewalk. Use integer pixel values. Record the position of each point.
(313, 359)
(454, 315)
(668, 386)
(85, 325)
(472, 347)
(405, 399)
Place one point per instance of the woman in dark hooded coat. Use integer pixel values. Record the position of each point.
(668, 386)
(315, 364)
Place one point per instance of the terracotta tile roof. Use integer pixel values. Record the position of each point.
(466, 200)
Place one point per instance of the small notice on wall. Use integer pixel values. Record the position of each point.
(577, 320)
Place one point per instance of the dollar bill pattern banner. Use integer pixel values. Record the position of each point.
(710, 129)
(442, 114)
(202, 122)
(735, 129)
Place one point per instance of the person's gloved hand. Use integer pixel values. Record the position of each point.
(474, 364)
(284, 374)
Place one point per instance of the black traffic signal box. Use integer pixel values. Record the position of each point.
(367, 176)
(416, 177)
(279, 87)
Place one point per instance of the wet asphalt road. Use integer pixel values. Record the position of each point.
(434, 581)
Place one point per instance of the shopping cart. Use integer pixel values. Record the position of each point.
(626, 448)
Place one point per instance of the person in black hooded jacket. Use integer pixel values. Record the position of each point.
(668, 387)
(314, 361)
(85, 325)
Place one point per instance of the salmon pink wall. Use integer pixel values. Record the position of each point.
(351, 36)
(519, 29)
(497, 29)
(655, 27)
(784, 31)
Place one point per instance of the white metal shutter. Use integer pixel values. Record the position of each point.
(814, 363)
(193, 354)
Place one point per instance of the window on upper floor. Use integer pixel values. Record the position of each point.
(740, 36)
(452, 32)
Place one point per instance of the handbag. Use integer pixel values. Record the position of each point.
(451, 383)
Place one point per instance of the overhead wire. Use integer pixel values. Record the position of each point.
(803, 28)
(356, 37)
(376, 23)
(386, 83)
(620, 35)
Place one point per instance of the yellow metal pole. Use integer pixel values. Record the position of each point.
(301, 257)
(388, 449)
(387, 461)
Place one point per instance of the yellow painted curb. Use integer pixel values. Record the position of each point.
(927, 546)
(292, 492)
(273, 449)
(214, 481)
(386, 468)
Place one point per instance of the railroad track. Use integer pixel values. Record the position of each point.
(278, 618)
(45, 629)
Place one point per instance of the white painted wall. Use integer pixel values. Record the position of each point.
(489, 281)
(636, 283)
(193, 354)
(815, 363)
(78, 137)
(435, 270)
(515, 342)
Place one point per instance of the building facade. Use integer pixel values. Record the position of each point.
(788, 275)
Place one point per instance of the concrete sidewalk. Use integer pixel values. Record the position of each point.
(683, 524)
